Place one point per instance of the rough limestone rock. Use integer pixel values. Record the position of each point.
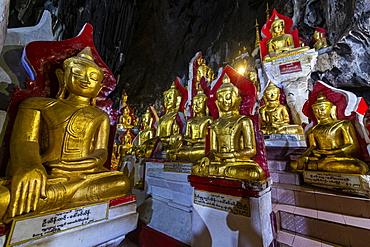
(147, 43)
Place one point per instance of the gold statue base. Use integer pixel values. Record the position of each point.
(238, 170)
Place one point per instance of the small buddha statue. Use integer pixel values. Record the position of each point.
(275, 116)
(333, 143)
(320, 40)
(192, 148)
(232, 142)
(126, 143)
(114, 162)
(59, 147)
(253, 77)
(204, 70)
(124, 98)
(280, 41)
(172, 101)
(147, 131)
(125, 120)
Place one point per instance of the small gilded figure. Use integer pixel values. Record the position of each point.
(193, 146)
(319, 37)
(333, 144)
(275, 116)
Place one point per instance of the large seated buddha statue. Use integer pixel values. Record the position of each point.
(59, 146)
(333, 144)
(232, 142)
(275, 116)
(193, 146)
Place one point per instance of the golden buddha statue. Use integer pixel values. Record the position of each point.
(280, 41)
(126, 143)
(114, 161)
(253, 77)
(58, 149)
(125, 120)
(124, 98)
(232, 142)
(147, 131)
(204, 70)
(320, 40)
(193, 146)
(333, 143)
(275, 116)
(172, 101)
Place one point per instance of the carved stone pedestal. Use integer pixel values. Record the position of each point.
(231, 213)
(169, 209)
(100, 224)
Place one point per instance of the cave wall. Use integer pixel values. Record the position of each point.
(146, 43)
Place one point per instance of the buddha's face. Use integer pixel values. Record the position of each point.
(127, 139)
(145, 120)
(272, 94)
(199, 104)
(322, 111)
(226, 99)
(170, 98)
(317, 35)
(278, 26)
(126, 111)
(83, 80)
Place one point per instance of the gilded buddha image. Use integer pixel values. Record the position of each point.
(232, 142)
(333, 144)
(192, 147)
(59, 147)
(275, 116)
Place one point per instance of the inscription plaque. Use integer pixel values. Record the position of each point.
(334, 179)
(25, 229)
(177, 167)
(233, 204)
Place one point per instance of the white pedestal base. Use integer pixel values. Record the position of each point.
(214, 227)
(170, 209)
(122, 219)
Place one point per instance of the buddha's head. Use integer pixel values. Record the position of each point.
(200, 103)
(172, 98)
(127, 139)
(272, 93)
(175, 129)
(277, 27)
(81, 76)
(126, 111)
(146, 119)
(228, 97)
(252, 76)
(323, 109)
